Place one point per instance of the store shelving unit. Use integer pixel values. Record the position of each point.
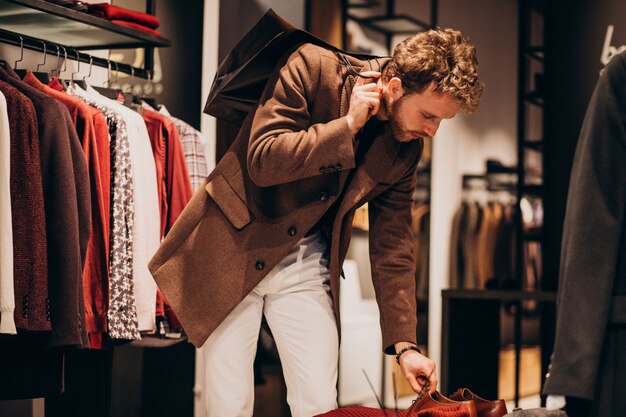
(472, 319)
(389, 23)
(56, 30)
(38, 24)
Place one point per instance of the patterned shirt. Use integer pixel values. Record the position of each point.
(122, 312)
(193, 148)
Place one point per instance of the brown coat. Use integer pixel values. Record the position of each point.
(286, 168)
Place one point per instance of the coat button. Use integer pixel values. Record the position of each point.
(324, 196)
(292, 231)
(260, 265)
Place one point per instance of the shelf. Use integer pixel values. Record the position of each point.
(39, 19)
(501, 295)
(396, 24)
(363, 4)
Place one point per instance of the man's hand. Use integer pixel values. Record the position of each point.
(418, 370)
(364, 101)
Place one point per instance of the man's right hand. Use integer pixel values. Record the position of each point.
(364, 101)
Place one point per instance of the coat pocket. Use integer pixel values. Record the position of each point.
(227, 199)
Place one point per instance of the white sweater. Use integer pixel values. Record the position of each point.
(7, 293)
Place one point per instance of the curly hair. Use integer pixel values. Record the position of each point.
(442, 56)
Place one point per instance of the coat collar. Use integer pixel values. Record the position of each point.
(381, 158)
(374, 64)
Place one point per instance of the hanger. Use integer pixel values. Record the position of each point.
(150, 100)
(132, 79)
(125, 98)
(56, 69)
(107, 91)
(21, 53)
(42, 76)
(60, 70)
(128, 95)
(5, 64)
(80, 83)
(89, 74)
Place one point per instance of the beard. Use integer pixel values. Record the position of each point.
(398, 128)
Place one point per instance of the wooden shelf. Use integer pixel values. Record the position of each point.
(389, 25)
(501, 295)
(63, 26)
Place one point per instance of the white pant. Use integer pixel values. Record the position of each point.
(295, 299)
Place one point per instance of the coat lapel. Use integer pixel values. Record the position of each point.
(377, 167)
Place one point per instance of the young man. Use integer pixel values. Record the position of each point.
(270, 230)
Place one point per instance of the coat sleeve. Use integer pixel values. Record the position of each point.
(393, 261)
(591, 238)
(284, 144)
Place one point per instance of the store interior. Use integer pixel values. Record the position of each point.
(489, 204)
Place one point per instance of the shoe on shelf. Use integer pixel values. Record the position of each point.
(484, 408)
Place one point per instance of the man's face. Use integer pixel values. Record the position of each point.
(416, 115)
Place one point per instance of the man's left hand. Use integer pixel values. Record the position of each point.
(418, 370)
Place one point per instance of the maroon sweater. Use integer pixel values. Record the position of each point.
(30, 261)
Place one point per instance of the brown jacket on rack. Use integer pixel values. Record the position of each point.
(288, 165)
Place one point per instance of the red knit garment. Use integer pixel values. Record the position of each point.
(173, 183)
(136, 26)
(359, 411)
(110, 12)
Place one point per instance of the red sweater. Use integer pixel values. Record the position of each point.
(173, 183)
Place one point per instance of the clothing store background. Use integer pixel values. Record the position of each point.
(160, 382)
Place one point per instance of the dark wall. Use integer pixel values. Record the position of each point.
(181, 21)
(180, 87)
(237, 17)
(575, 34)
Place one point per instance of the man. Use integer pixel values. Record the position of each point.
(269, 232)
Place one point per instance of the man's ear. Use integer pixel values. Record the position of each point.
(394, 87)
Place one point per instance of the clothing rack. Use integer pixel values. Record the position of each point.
(26, 42)
(497, 181)
(75, 30)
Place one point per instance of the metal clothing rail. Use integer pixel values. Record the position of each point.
(54, 49)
